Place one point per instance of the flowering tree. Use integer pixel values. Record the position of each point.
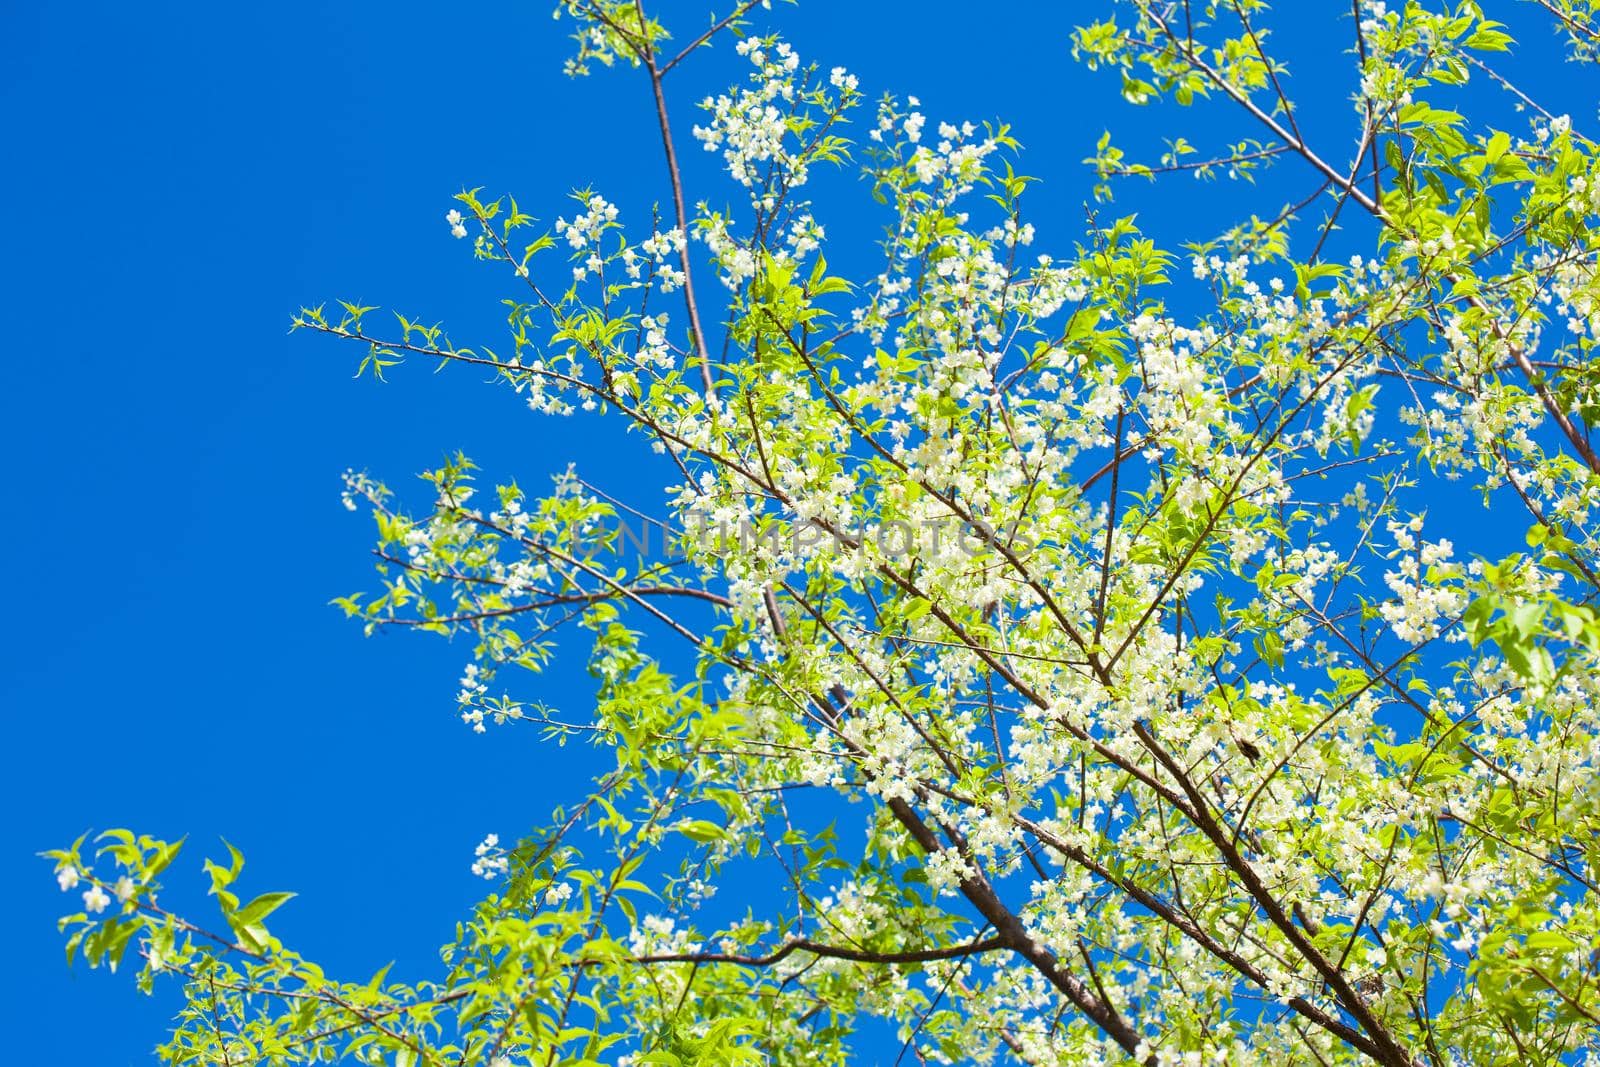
(1100, 581)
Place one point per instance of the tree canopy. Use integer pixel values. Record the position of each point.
(1057, 630)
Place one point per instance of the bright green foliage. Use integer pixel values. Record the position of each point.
(1063, 637)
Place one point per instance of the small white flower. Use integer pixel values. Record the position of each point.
(95, 899)
(66, 878)
(124, 889)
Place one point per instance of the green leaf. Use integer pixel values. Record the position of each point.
(701, 830)
(262, 906)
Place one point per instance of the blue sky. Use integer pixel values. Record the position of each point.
(181, 179)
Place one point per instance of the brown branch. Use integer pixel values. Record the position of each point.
(835, 952)
(712, 32)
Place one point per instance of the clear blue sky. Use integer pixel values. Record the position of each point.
(179, 179)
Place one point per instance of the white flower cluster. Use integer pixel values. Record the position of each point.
(956, 158)
(945, 869)
(1050, 288)
(584, 231)
(658, 248)
(1386, 81)
(1545, 130)
(803, 237)
(737, 262)
(1231, 270)
(749, 126)
(1422, 596)
(472, 692)
(1374, 15)
(654, 349)
(1178, 397)
(659, 934)
(457, 221)
(95, 898)
(1574, 287)
(492, 861)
